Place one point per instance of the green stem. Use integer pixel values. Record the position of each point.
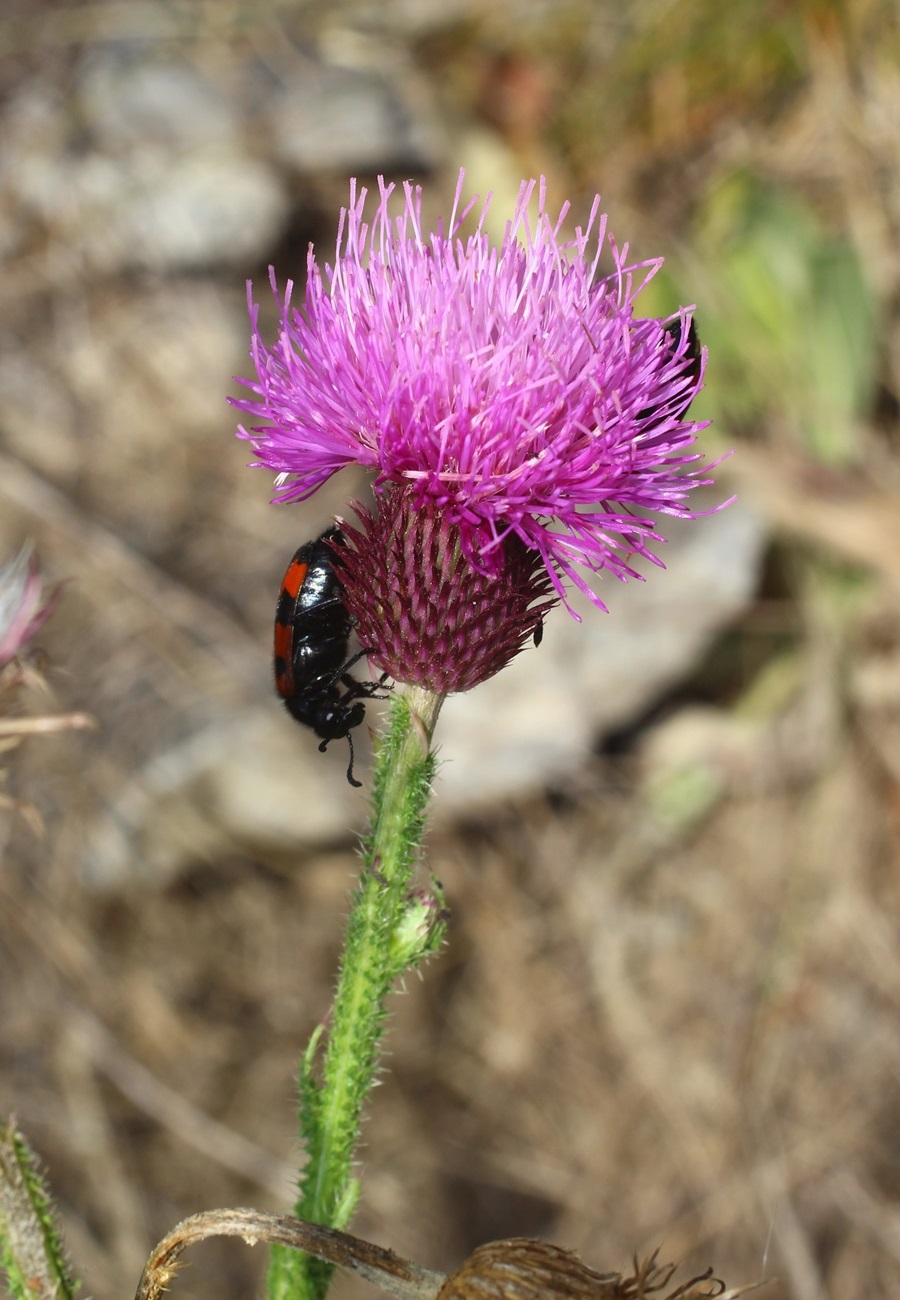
(387, 934)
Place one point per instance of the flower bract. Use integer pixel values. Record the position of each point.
(426, 615)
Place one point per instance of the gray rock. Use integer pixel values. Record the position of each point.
(539, 719)
(339, 118)
(170, 214)
(125, 103)
(148, 172)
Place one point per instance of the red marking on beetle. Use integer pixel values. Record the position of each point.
(295, 578)
(284, 667)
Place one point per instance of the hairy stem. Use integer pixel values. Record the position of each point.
(378, 949)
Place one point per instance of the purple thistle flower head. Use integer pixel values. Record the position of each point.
(509, 389)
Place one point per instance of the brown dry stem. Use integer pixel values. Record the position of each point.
(397, 1276)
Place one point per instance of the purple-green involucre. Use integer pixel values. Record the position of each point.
(423, 613)
(509, 389)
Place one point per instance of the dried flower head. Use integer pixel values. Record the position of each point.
(510, 389)
(524, 1268)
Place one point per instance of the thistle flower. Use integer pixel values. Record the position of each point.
(507, 393)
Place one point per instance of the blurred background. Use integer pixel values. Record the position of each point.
(667, 1013)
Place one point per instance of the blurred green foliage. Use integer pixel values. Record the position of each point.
(789, 319)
